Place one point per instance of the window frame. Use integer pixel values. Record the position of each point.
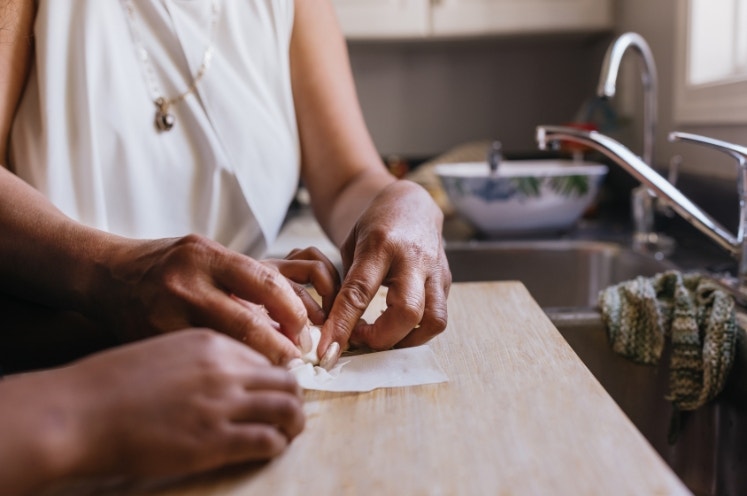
(721, 102)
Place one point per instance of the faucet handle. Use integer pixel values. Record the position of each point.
(737, 152)
(673, 174)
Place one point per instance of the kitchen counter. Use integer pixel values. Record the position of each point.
(520, 415)
(301, 230)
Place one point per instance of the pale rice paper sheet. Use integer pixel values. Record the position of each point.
(383, 369)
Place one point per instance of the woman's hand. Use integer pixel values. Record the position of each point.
(164, 285)
(309, 266)
(396, 242)
(183, 403)
(172, 405)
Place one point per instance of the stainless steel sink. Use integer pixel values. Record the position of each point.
(708, 450)
(562, 273)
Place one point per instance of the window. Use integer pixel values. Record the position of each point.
(717, 47)
(711, 69)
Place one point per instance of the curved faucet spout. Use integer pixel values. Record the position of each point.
(643, 200)
(616, 151)
(608, 83)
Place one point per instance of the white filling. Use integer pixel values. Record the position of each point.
(312, 357)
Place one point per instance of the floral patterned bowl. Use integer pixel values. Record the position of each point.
(524, 197)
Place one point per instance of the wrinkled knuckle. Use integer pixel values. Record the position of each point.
(195, 244)
(270, 279)
(386, 238)
(439, 323)
(377, 238)
(199, 241)
(175, 282)
(202, 337)
(202, 342)
(212, 342)
(320, 267)
(243, 323)
(187, 252)
(436, 322)
(212, 352)
(316, 269)
(301, 315)
(355, 295)
(328, 273)
(272, 263)
(411, 311)
(211, 370)
(312, 252)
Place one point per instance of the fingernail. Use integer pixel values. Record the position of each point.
(305, 340)
(330, 357)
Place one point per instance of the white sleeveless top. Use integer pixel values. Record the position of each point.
(85, 136)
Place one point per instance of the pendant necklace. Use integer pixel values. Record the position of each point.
(164, 119)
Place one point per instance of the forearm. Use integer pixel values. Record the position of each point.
(45, 256)
(341, 166)
(16, 48)
(337, 215)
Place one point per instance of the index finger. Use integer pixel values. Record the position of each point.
(358, 289)
(249, 324)
(263, 285)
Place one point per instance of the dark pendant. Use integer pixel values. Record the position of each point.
(164, 120)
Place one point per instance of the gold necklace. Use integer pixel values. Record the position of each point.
(165, 120)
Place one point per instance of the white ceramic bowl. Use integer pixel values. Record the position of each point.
(525, 197)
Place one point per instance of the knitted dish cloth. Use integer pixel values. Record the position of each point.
(689, 309)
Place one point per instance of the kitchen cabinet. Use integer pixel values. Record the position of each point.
(403, 19)
(374, 19)
(477, 17)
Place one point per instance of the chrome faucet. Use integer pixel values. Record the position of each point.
(642, 198)
(738, 153)
(608, 83)
(617, 152)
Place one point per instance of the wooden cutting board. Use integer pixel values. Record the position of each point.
(520, 415)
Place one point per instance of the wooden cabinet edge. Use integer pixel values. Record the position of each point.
(420, 20)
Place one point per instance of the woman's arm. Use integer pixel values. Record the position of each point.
(389, 231)
(16, 50)
(139, 288)
(341, 166)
